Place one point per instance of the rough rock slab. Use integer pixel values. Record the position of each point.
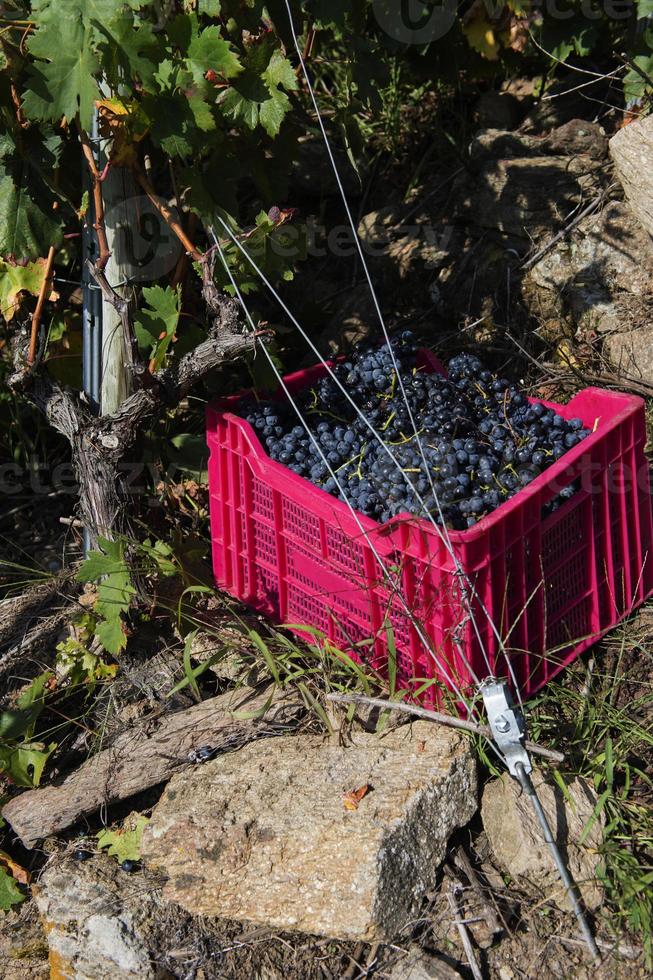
(264, 836)
(97, 921)
(507, 196)
(602, 273)
(631, 352)
(607, 249)
(631, 149)
(516, 839)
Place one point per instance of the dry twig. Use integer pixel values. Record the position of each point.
(449, 720)
(462, 930)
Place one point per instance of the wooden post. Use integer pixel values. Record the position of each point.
(119, 192)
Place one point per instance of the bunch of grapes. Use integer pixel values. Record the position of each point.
(478, 441)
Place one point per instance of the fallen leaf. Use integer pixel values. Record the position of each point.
(351, 800)
(20, 874)
(124, 843)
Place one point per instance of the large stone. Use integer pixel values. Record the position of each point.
(507, 194)
(97, 920)
(631, 353)
(631, 149)
(596, 270)
(265, 835)
(515, 836)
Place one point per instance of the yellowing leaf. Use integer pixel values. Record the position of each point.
(565, 353)
(124, 843)
(18, 279)
(21, 874)
(481, 37)
(126, 124)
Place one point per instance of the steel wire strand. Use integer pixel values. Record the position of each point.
(424, 639)
(444, 534)
(376, 435)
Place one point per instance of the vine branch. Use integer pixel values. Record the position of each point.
(44, 292)
(167, 215)
(98, 201)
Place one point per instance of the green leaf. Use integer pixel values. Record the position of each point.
(127, 51)
(635, 87)
(24, 764)
(109, 567)
(125, 843)
(209, 50)
(10, 893)
(100, 563)
(280, 72)
(27, 224)
(155, 325)
(241, 102)
(111, 635)
(62, 82)
(20, 721)
(256, 96)
(202, 113)
(179, 123)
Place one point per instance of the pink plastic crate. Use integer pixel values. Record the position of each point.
(552, 583)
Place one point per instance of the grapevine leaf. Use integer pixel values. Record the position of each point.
(255, 96)
(280, 72)
(156, 323)
(27, 225)
(166, 75)
(481, 37)
(24, 764)
(62, 82)
(7, 145)
(201, 113)
(174, 125)
(209, 50)
(18, 279)
(273, 112)
(124, 843)
(10, 893)
(111, 635)
(115, 592)
(99, 563)
(127, 50)
(635, 87)
(241, 102)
